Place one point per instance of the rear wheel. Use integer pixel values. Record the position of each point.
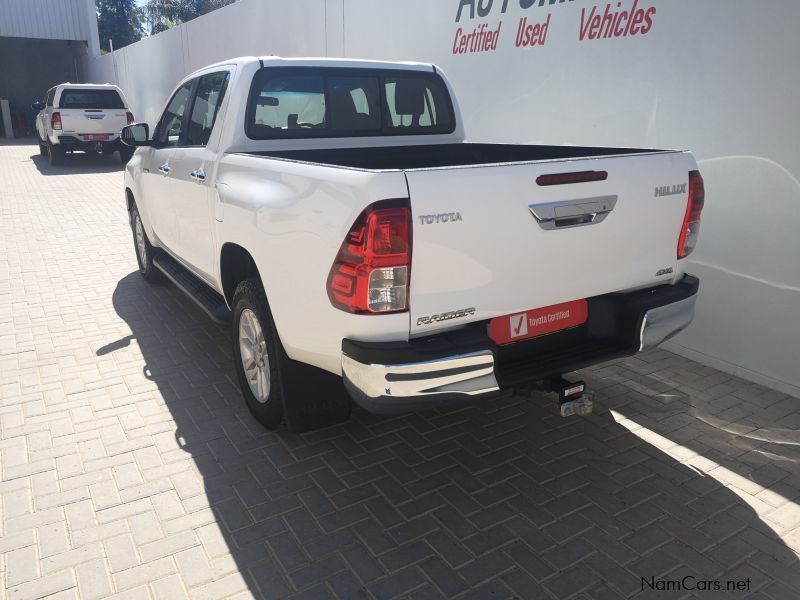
(281, 393)
(55, 154)
(42, 148)
(144, 251)
(258, 355)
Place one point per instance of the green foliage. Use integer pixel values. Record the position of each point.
(119, 20)
(161, 15)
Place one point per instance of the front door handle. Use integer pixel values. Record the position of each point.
(199, 174)
(165, 169)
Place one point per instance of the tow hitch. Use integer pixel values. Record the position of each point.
(573, 397)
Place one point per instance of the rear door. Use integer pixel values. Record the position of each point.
(92, 115)
(191, 175)
(490, 241)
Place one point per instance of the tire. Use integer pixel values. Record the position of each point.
(42, 148)
(55, 155)
(258, 355)
(300, 397)
(125, 154)
(144, 250)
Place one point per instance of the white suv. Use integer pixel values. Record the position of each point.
(79, 116)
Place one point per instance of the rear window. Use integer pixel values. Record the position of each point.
(312, 102)
(77, 98)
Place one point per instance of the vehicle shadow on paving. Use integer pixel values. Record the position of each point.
(79, 163)
(498, 499)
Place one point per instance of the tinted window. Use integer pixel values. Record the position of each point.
(413, 104)
(170, 127)
(210, 92)
(311, 102)
(77, 98)
(49, 99)
(289, 102)
(354, 103)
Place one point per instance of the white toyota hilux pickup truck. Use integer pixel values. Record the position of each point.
(82, 116)
(333, 212)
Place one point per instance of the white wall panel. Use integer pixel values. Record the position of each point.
(148, 71)
(153, 67)
(717, 77)
(257, 27)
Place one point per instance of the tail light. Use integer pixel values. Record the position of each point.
(691, 222)
(371, 272)
(55, 120)
(131, 120)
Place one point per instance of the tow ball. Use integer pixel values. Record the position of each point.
(573, 397)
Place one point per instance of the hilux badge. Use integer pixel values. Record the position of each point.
(670, 190)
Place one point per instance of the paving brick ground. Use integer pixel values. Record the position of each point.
(131, 469)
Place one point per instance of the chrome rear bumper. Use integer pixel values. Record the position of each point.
(387, 378)
(660, 324)
(390, 388)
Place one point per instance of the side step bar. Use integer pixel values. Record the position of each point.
(206, 298)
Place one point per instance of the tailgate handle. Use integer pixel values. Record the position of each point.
(566, 214)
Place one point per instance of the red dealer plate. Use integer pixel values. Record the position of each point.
(96, 137)
(537, 322)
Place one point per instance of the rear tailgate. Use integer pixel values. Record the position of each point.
(479, 250)
(92, 115)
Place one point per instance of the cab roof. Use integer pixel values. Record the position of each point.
(279, 61)
(88, 86)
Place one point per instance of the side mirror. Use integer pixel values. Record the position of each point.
(37, 106)
(136, 135)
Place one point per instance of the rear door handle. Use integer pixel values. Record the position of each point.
(199, 174)
(165, 169)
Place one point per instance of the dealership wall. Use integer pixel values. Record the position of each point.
(717, 77)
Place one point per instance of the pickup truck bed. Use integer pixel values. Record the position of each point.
(445, 155)
(492, 228)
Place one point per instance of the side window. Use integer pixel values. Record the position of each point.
(50, 96)
(170, 127)
(207, 100)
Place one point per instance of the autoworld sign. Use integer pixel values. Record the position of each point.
(624, 18)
